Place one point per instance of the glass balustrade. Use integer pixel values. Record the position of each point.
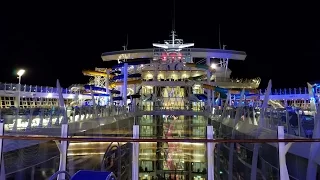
(175, 146)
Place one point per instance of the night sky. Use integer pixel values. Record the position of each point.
(58, 41)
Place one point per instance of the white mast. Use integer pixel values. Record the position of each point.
(173, 37)
(171, 45)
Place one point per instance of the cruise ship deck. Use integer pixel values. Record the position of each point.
(170, 112)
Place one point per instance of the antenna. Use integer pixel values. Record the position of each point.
(173, 36)
(174, 16)
(125, 47)
(127, 41)
(219, 38)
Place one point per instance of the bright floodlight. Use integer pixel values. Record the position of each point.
(213, 66)
(21, 72)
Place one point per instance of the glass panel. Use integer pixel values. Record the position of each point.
(171, 146)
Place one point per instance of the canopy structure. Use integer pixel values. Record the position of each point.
(194, 52)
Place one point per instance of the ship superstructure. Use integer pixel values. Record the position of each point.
(171, 85)
(173, 91)
(173, 62)
(174, 81)
(202, 73)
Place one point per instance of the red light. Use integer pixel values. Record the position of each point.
(171, 56)
(164, 56)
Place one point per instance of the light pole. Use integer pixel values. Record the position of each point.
(19, 73)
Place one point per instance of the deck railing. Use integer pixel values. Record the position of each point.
(46, 89)
(287, 91)
(98, 141)
(32, 88)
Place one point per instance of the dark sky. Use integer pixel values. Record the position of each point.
(56, 41)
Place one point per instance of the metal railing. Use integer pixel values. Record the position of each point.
(191, 142)
(34, 118)
(173, 108)
(46, 89)
(287, 91)
(31, 88)
(218, 116)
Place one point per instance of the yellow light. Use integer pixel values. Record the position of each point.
(21, 72)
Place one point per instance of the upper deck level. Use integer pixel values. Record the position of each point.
(7, 89)
(174, 49)
(192, 52)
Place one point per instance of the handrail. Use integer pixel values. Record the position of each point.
(287, 91)
(33, 88)
(102, 139)
(46, 89)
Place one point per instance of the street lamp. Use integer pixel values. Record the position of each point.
(20, 73)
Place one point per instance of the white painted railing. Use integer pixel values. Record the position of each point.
(286, 91)
(31, 88)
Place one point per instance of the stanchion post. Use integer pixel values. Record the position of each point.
(2, 169)
(125, 85)
(135, 153)
(283, 149)
(63, 147)
(1, 134)
(210, 153)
